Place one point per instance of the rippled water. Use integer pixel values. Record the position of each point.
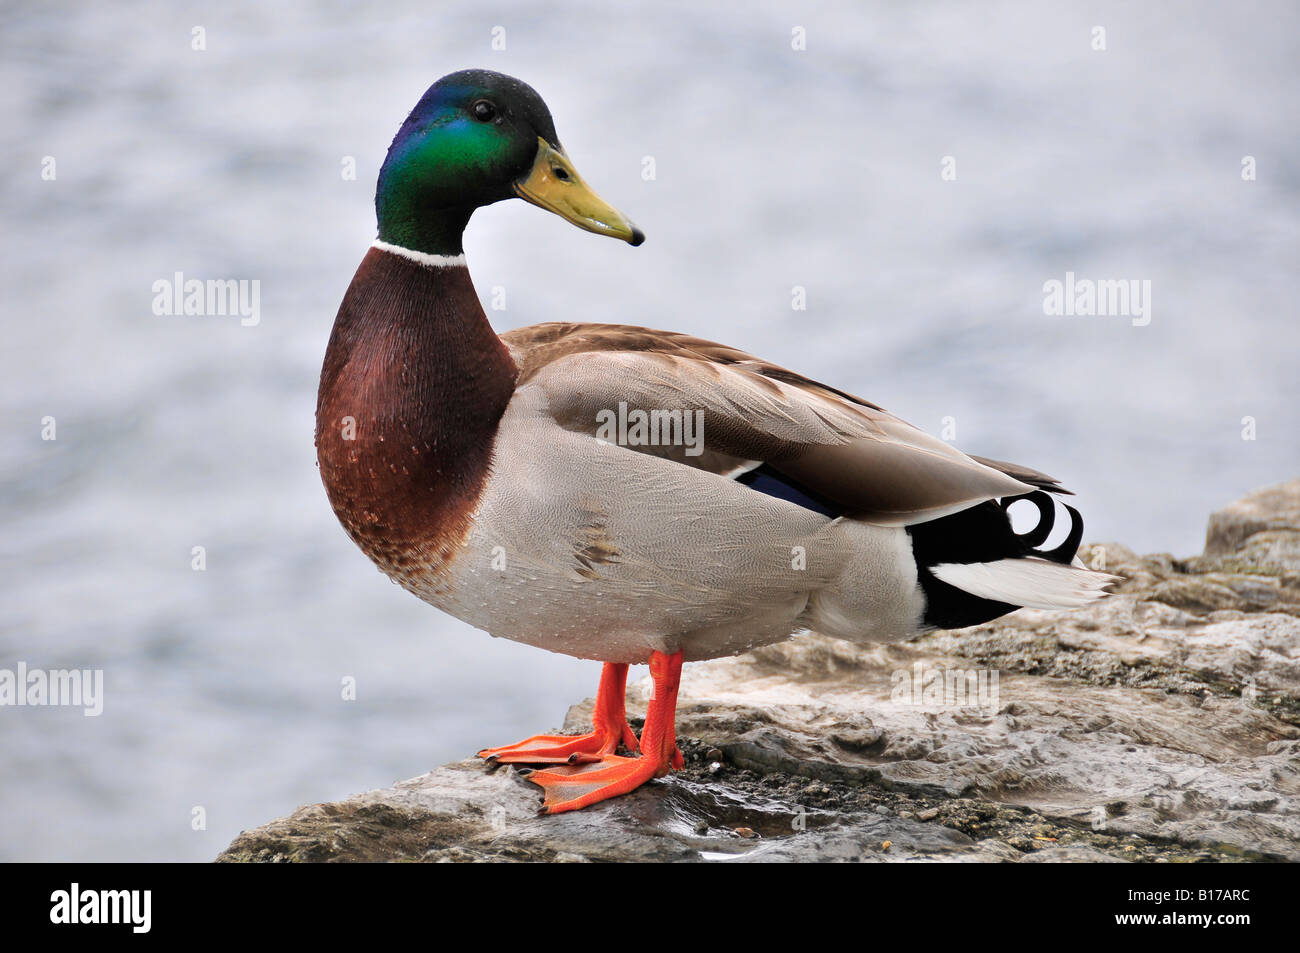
(774, 168)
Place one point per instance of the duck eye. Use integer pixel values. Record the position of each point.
(483, 111)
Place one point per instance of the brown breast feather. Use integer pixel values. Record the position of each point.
(414, 363)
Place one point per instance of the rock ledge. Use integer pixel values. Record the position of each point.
(1162, 724)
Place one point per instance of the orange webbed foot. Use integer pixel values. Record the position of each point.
(570, 787)
(609, 729)
(563, 749)
(586, 769)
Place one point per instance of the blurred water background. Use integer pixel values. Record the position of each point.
(774, 167)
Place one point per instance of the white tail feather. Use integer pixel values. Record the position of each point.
(1029, 582)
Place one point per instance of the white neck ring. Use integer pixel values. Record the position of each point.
(421, 258)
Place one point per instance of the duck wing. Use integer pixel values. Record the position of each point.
(879, 468)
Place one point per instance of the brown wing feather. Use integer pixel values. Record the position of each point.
(538, 345)
(852, 451)
(1025, 475)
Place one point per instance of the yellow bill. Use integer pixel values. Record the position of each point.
(554, 184)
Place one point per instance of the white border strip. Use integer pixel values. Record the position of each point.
(419, 257)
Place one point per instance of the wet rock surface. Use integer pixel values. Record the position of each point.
(1161, 725)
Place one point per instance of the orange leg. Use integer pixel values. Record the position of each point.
(569, 787)
(609, 727)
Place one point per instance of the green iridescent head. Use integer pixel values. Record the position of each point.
(474, 138)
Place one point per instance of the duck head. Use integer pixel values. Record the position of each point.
(474, 138)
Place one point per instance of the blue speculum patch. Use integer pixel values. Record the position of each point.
(766, 480)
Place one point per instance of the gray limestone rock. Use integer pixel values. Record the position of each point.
(1162, 723)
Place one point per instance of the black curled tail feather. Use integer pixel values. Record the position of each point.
(1036, 536)
(983, 534)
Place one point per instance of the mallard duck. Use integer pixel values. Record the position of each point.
(624, 494)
